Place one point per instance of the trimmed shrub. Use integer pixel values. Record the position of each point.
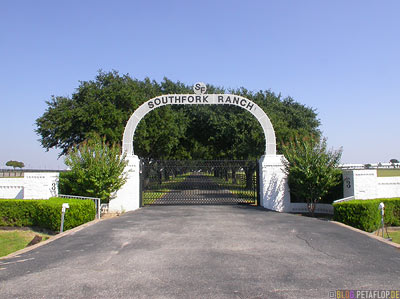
(365, 215)
(45, 213)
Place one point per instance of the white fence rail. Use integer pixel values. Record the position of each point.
(95, 199)
(345, 199)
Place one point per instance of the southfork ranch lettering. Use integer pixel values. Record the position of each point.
(235, 100)
(208, 99)
(199, 99)
(178, 99)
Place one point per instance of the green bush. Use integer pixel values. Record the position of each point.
(334, 193)
(365, 215)
(45, 213)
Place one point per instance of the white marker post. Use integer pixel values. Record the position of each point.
(382, 208)
(64, 207)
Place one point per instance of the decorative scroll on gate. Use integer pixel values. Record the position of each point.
(198, 182)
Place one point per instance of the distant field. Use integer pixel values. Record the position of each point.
(388, 172)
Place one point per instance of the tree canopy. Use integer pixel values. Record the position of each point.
(104, 105)
(14, 164)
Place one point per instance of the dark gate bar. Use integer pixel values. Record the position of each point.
(194, 182)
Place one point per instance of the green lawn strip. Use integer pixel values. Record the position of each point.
(173, 182)
(395, 235)
(249, 198)
(157, 191)
(155, 185)
(13, 240)
(388, 172)
(229, 184)
(236, 189)
(149, 197)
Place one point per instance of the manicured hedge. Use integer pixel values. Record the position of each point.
(365, 215)
(45, 213)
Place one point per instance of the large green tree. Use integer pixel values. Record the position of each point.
(312, 169)
(96, 170)
(104, 105)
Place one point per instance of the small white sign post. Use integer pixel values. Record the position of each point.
(382, 209)
(63, 209)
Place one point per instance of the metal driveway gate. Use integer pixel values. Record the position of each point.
(199, 182)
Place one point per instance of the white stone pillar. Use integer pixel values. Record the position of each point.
(128, 197)
(274, 189)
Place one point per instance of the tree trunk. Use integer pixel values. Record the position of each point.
(145, 174)
(249, 171)
(166, 174)
(311, 207)
(160, 177)
(234, 176)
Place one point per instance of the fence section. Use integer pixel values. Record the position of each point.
(95, 199)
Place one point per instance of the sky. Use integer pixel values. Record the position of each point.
(340, 57)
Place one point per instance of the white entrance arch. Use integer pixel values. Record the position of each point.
(203, 99)
(274, 190)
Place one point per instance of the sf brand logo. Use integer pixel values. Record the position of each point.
(199, 88)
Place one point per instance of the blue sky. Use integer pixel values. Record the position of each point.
(340, 57)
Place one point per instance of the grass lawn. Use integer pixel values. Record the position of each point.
(13, 240)
(388, 172)
(239, 189)
(155, 191)
(150, 197)
(394, 234)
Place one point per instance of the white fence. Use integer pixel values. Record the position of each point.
(33, 185)
(12, 188)
(366, 184)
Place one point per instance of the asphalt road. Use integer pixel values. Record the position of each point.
(203, 252)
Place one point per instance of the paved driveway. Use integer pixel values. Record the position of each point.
(203, 252)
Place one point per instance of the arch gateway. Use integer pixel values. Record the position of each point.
(274, 190)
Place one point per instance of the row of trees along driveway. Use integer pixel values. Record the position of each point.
(102, 107)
